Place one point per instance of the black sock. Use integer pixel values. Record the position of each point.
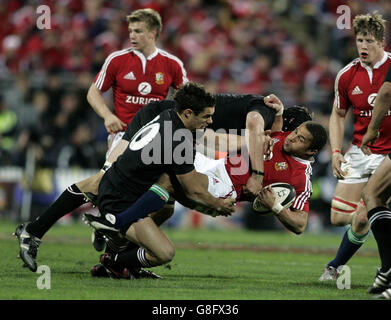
(380, 221)
(132, 259)
(69, 200)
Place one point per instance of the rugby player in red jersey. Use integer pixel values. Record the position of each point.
(356, 88)
(137, 75)
(290, 162)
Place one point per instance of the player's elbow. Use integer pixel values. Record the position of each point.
(385, 93)
(92, 92)
(254, 121)
(297, 230)
(299, 226)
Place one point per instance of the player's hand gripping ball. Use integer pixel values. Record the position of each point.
(286, 194)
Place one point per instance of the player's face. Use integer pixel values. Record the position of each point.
(369, 49)
(298, 142)
(140, 37)
(201, 120)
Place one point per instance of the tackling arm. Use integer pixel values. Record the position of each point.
(275, 103)
(255, 139)
(195, 187)
(224, 142)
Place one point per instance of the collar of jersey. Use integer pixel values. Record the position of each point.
(143, 59)
(150, 57)
(377, 64)
(309, 161)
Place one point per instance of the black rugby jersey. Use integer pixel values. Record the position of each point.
(230, 112)
(161, 145)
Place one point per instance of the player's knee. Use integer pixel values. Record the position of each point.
(342, 211)
(338, 221)
(166, 255)
(361, 222)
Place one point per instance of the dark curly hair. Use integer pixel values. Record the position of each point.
(192, 95)
(295, 116)
(319, 135)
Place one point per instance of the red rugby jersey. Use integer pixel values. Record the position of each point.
(137, 80)
(280, 168)
(356, 86)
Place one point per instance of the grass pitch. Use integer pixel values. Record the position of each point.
(209, 265)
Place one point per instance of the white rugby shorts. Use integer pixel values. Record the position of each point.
(359, 166)
(220, 184)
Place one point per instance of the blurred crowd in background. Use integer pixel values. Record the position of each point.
(291, 48)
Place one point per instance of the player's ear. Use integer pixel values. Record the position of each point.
(154, 33)
(312, 152)
(187, 113)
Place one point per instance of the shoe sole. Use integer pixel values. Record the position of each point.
(98, 226)
(377, 290)
(385, 295)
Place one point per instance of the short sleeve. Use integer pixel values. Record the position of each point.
(258, 105)
(303, 194)
(341, 99)
(180, 74)
(106, 76)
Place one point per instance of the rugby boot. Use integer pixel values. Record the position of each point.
(99, 271)
(98, 240)
(381, 283)
(385, 295)
(329, 274)
(104, 222)
(28, 245)
(107, 260)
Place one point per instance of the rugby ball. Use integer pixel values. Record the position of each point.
(286, 194)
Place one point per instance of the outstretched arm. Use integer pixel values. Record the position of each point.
(195, 187)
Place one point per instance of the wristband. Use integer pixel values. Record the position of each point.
(106, 166)
(277, 208)
(258, 173)
(280, 112)
(336, 151)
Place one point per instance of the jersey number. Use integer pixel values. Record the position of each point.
(147, 134)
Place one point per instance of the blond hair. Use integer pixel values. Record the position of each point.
(151, 18)
(370, 23)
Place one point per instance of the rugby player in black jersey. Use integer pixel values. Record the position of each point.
(120, 253)
(232, 112)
